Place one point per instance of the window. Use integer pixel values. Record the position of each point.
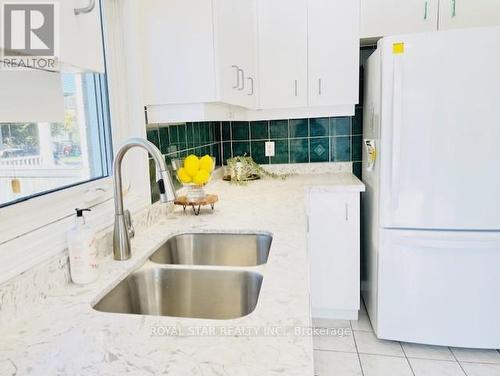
(38, 158)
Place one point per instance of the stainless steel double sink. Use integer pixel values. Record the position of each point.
(222, 286)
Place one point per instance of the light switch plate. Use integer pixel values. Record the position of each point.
(269, 148)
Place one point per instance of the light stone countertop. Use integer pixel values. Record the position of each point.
(65, 336)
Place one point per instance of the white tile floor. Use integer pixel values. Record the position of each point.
(359, 353)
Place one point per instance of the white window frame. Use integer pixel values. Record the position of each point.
(35, 230)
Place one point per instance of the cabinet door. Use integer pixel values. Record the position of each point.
(178, 52)
(333, 52)
(282, 69)
(455, 14)
(80, 35)
(392, 17)
(334, 250)
(235, 42)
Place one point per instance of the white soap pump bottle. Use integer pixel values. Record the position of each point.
(82, 251)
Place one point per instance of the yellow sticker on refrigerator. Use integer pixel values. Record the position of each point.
(398, 48)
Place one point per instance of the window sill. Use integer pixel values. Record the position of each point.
(27, 251)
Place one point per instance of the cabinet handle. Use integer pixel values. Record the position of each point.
(251, 86)
(242, 81)
(89, 8)
(346, 212)
(237, 70)
(453, 8)
(319, 86)
(296, 88)
(426, 9)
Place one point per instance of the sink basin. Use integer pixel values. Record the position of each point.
(214, 249)
(204, 294)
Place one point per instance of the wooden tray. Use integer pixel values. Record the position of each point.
(248, 178)
(207, 200)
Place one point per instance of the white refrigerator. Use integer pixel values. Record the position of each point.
(431, 238)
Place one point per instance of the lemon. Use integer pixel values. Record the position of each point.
(201, 177)
(207, 163)
(183, 175)
(191, 165)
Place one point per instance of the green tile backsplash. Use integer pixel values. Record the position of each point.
(335, 139)
(178, 141)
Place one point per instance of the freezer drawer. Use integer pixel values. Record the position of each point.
(439, 288)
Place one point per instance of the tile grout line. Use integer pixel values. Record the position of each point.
(357, 350)
(268, 125)
(250, 140)
(309, 140)
(336, 351)
(289, 144)
(406, 357)
(231, 137)
(456, 359)
(440, 360)
(383, 355)
(330, 147)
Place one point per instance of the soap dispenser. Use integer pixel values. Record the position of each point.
(82, 251)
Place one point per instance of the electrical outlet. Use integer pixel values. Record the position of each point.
(269, 148)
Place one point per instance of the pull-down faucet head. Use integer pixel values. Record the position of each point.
(123, 226)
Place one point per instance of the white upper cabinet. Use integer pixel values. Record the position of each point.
(391, 17)
(81, 35)
(282, 41)
(333, 52)
(178, 51)
(455, 14)
(234, 23)
(76, 31)
(199, 51)
(308, 53)
(263, 55)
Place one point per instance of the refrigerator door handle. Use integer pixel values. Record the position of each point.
(397, 104)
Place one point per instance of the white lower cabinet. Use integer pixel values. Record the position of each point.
(334, 252)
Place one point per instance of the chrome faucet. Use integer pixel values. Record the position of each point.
(123, 230)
